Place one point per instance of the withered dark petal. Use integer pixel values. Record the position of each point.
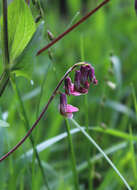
(77, 80)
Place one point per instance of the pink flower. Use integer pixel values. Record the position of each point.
(65, 109)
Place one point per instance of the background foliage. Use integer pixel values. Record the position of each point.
(108, 41)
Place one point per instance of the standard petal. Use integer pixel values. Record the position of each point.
(70, 108)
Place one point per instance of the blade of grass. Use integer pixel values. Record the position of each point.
(73, 160)
(115, 133)
(73, 19)
(48, 143)
(27, 126)
(115, 105)
(84, 165)
(98, 156)
(102, 152)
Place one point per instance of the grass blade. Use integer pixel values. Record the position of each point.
(102, 152)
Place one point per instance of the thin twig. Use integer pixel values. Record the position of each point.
(73, 27)
(42, 113)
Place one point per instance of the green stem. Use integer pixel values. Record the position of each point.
(87, 123)
(73, 160)
(90, 170)
(5, 75)
(27, 126)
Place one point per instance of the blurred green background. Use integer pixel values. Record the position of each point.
(107, 40)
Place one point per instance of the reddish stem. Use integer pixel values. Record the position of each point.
(72, 27)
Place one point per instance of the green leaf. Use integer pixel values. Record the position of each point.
(21, 27)
(4, 124)
(23, 63)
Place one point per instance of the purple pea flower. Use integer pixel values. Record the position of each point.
(65, 109)
(82, 80)
(69, 88)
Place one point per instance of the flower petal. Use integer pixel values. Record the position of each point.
(77, 80)
(70, 108)
(69, 86)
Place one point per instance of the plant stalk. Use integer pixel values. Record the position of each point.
(73, 159)
(5, 49)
